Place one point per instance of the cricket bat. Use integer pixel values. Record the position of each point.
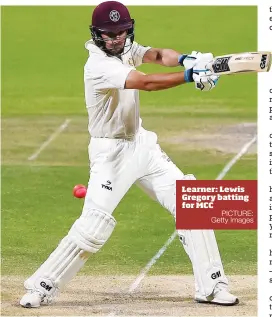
(241, 63)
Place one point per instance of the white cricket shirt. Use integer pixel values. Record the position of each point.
(113, 111)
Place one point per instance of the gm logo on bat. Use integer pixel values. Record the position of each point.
(263, 61)
(221, 65)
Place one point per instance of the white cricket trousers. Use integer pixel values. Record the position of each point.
(116, 164)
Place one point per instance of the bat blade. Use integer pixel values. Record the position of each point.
(241, 63)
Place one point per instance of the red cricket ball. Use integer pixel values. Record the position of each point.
(79, 191)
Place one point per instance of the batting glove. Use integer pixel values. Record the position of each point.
(189, 61)
(200, 74)
(203, 78)
(205, 83)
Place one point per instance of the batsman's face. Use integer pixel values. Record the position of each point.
(115, 42)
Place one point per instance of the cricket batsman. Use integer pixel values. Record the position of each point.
(122, 153)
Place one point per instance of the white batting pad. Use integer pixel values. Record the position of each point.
(63, 263)
(87, 235)
(202, 249)
(91, 231)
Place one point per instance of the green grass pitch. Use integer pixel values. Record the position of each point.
(42, 85)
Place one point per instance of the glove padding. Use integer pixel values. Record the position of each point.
(202, 76)
(205, 82)
(191, 60)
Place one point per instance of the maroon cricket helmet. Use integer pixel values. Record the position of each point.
(111, 17)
